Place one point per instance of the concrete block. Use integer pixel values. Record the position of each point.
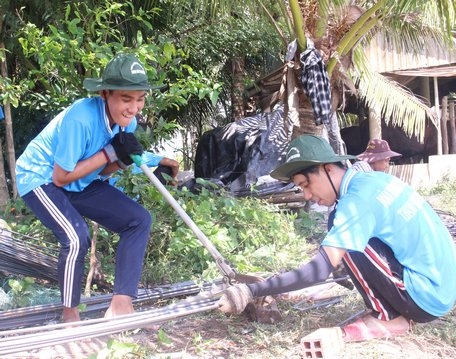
(323, 343)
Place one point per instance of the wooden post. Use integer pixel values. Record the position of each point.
(443, 125)
(437, 110)
(452, 128)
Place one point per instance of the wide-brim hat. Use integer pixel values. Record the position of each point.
(123, 72)
(306, 151)
(377, 150)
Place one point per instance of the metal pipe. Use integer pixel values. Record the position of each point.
(16, 341)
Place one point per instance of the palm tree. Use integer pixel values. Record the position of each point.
(341, 29)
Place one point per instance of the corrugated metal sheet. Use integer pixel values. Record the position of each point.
(433, 60)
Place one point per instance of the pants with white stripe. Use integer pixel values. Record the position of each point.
(378, 277)
(63, 212)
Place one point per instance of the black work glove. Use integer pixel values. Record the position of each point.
(122, 145)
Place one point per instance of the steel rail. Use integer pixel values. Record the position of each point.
(16, 341)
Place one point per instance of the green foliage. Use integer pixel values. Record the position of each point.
(163, 338)
(162, 132)
(119, 350)
(251, 234)
(442, 195)
(23, 292)
(80, 44)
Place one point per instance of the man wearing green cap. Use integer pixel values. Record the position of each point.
(58, 177)
(398, 253)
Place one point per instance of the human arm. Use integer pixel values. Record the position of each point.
(115, 156)
(315, 271)
(61, 177)
(173, 164)
(110, 168)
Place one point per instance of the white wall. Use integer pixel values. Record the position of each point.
(427, 174)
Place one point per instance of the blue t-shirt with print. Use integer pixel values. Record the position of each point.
(75, 134)
(376, 204)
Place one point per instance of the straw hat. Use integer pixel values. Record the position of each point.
(377, 150)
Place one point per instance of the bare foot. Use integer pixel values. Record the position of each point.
(120, 305)
(70, 315)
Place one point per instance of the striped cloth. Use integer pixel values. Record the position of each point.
(315, 82)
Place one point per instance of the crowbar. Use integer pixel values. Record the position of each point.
(226, 270)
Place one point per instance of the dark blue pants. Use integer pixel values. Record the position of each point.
(63, 212)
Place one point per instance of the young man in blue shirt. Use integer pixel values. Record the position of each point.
(397, 251)
(58, 177)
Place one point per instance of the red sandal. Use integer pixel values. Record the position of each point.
(373, 329)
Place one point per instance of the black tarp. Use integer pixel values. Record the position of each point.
(239, 154)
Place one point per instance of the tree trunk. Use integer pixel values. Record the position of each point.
(4, 195)
(375, 125)
(93, 260)
(334, 137)
(11, 156)
(237, 93)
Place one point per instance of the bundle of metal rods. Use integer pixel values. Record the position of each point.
(20, 340)
(19, 255)
(45, 314)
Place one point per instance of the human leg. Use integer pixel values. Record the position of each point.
(378, 276)
(51, 206)
(112, 209)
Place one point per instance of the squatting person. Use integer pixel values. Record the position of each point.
(397, 251)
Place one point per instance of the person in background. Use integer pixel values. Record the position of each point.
(378, 154)
(59, 178)
(397, 251)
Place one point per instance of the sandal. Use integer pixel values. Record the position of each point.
(361, 331)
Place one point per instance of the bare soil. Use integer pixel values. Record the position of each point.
(213, 335)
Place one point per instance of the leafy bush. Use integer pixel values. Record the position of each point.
(23, 292)
(442, 195)
(251, 234)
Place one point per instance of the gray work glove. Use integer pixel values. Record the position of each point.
(235, 299)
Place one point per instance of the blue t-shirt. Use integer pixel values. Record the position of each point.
(75, 134)
(376, 204)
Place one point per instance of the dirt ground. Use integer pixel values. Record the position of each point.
(213, 335)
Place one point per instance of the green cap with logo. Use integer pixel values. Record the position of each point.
(123, 72)
(306, 151)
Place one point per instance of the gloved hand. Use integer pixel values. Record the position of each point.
(122, 145)
(235, 299)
